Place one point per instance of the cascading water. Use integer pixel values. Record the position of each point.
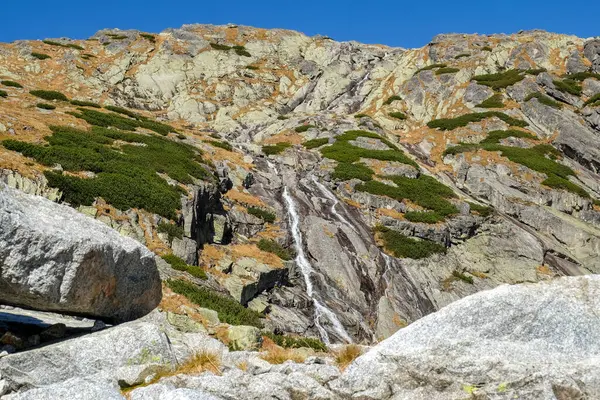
(321, 312)
(335, 201)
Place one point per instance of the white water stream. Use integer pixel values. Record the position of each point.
(321, 311)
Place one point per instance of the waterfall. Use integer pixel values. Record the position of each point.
(321, 311)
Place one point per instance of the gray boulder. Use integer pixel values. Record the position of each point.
(533, 341)
(56, 259)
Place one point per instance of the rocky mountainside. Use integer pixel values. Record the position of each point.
(302, 186)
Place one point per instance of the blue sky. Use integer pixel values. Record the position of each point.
(396, 23)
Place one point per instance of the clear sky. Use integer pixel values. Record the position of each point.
(401, 23)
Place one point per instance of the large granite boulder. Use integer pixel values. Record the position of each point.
(53, 258)
(531, 341)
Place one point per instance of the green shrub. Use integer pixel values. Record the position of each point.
(292, 342)
(149, 37)
(447, 70)
(282, 117)
(180, 265)
(303, 128)
(500, 80)
(581, 76)
(535, 71)
(568, 86)
(45, 106)
(124, 111)
(462, 277)
(346, 171)
(314, 143)
(484, 211)
(272, 246)
(68, 45)
(276, 148)
(222, 47)
(12, 84)
(486, 48)
(116, 36)
(172, 230)
(87, 56)
(229, 310)
(446, 124)
(49, 95)
(405, 247)
(392, 99)
(241, 51)
(85, 104)
(593, 101)
(493, 102)
(252, 67)
(462, 148)
(397, 115)
(40, 56)
(343, 151)
(102, 119)
(362, 116)
(3, 93)
(430, 67)
(128, 178)
(222, 145)
(558, 182)
(428, 217)
(265, 215)
(543, 99)
(496, 136)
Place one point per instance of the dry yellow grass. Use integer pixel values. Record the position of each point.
(346, 355)
(279, 355)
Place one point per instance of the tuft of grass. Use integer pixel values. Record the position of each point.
(465, 278)
(446, 124)
(272, 246)
(278, 355)
(45, 106)
(180, 265)
(229, 310)
(392, 99)
(483, 211)
(49, 95)
(500, 80)
(265, 215)
(81, 103)
(87, 56)
(462, 55)
(3, 93)
(12, 84)
(568, 86)
(405, 247)
(447, 70)
(221, 47)
(116, 36)
(362, 116)
(486, 48)
(397, 115)
(493, 102)
(314, 143)
(172, 230)
(252, 67)
(126, 176)
(544, 100)
(282, 117)
(303, 128)
(346, 355)
(292, 342)
(276, 148)
(222, 145)
(346, 171)
(40, 56)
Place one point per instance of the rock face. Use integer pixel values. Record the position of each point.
(53, 258)
(536, 341)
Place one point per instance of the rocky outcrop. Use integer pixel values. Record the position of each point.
(55, 259)
(528, 341)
